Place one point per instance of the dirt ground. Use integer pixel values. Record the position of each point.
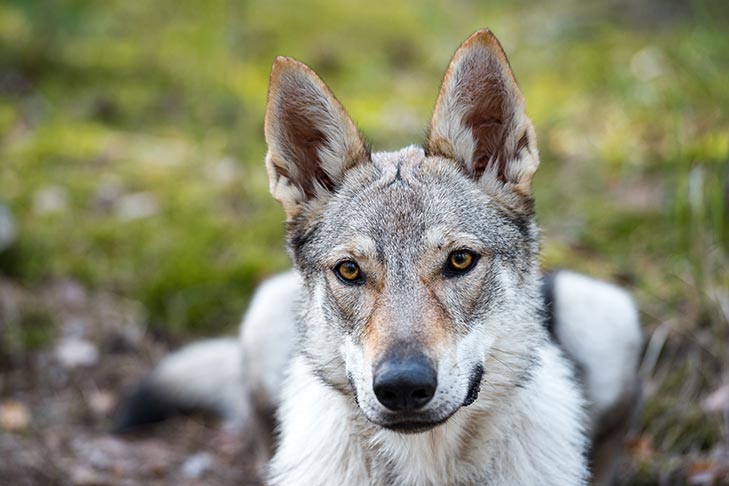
(57, 403)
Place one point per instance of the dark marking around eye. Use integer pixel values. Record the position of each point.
(349, 272)
(460, 262)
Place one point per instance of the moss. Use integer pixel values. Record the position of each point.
(35, 329)
(31, 329)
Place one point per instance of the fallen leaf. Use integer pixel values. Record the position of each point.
(14, 416)
(642, 448)
(701, 472)
(101, 402)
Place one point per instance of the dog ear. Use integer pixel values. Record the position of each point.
(479, 118)
(311, 140)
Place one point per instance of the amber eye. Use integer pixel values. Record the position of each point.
(461, 261)
(349, 272)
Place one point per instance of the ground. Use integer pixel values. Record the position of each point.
(55, 428)
(131, 153)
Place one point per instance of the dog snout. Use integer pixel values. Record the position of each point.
(404, 385)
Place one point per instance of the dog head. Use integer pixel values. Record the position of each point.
(420, 265)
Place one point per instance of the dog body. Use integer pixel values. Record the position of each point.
(409, 345)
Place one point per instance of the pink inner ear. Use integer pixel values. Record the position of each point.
(298, 115)
(483, 92)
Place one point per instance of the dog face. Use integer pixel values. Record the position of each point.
(420, 265)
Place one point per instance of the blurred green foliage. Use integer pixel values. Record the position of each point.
(132, 139)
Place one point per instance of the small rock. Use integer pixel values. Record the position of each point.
(718, 400)
(100, 453)
(50, 199)
(648, 64)
(223, 171)
(71, 292)
(196, 465)
(107, 194)
(7, 228)
(101, 402)
(136, 206)
(99, 458)
(14, 416)
(74, 328)
(74, 352)
(82, 475)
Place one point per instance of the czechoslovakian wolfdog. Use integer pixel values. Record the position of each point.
(416, 341)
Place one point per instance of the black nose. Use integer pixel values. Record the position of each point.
(404, 385)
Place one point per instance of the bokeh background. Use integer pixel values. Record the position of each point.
(135, 214)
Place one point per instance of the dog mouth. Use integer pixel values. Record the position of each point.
(414, 427)
(411, 423)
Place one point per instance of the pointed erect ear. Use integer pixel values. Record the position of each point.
(311, 140)
(479, 118)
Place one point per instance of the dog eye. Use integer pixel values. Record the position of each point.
(460, 262)
(348, 272)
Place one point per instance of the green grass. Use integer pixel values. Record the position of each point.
(106, 105)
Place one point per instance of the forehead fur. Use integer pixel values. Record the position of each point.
(407, 159)
(407, 202)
